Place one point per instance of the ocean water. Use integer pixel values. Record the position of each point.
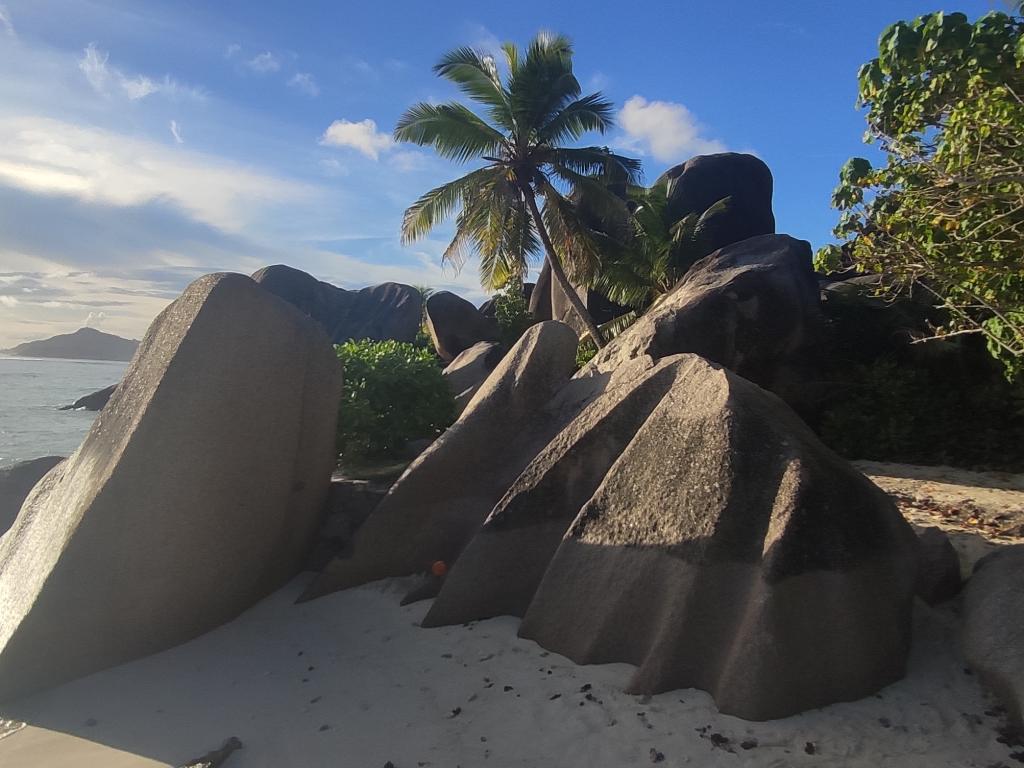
(31, 391)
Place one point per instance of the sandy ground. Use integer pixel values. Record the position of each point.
(351, 680)
(979, 510)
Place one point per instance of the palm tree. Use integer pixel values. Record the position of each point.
(637, 270)
(530, 116)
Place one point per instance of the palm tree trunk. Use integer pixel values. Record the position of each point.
(559, 274)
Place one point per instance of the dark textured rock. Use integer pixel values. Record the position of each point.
(349, 503)
(380, 312)
(196, 492)
(455, 325)
(993, 627)
(448, 491)
(752, 307)
(687, 522)
(540, 298)
(938, 569)
(93, 401)
(700, 182)
(549, 302)
(600, 309)
(15, 483)
(470, 369)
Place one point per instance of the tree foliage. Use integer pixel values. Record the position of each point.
(393, 392)
(656, 250)
(512, 313)
(945, 215)
(525, 122)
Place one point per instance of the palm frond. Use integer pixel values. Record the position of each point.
(511, 57)
(543, 83)
(439, 203)
(593, 195)
(598, 161)
(476, 75)
(579, 246)
(590, 113)
(451, 129)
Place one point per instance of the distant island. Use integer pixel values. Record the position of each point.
(83, 344)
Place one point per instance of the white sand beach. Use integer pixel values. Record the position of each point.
(351, 681)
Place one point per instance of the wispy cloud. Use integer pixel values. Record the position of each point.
(407, 161)
(176, 132)
(232, 50)
(262, 63)
(598, 81)
(666, 130)
(362, 136)
(106, 79)
(52, 156)
(304, 82)
(482, 39)
(5, 21)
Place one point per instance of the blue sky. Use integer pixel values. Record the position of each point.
(145, 143)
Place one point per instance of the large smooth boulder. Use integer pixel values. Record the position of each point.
(379, 312)
(549, 302)
(752, 307)
(686, 521)
(16, 481)
(700, 182)
(938, 567)
(196, 492)
(993, 627)
(455, 325)
(470, 369)
(448, 491)
(662, 512)
(94, 401)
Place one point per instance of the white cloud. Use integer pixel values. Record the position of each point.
(104, 79)
(176, 132)
(138, 87)
(5, 21)
(362, 136)
(665, 129)
(8, 301)
(94, 65)
(263, 63)
(231, 50)
(304, 82)
(55, 157)
(95, 319)
(409, 160)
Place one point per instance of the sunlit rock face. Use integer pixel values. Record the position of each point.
(657, 508)
(195, 493)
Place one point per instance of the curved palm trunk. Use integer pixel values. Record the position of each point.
(559, 274)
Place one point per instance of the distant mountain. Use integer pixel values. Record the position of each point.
(83, 344)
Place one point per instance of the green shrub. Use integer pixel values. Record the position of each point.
(890, 411)
(585, 352)
(512, 313)
(393, 393)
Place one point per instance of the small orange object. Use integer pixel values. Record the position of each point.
(439, 568)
